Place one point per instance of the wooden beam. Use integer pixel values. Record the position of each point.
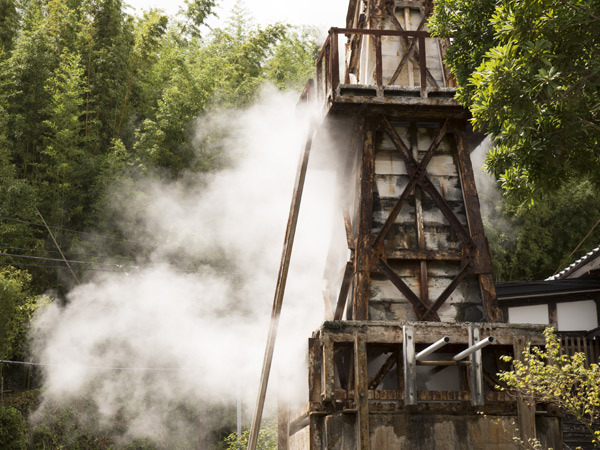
(334, 64)
(415, 170)
(361, 389)
(476, 368)
(362, 279)
(423, 255)
(446, 293)
(482, 257)
(344, 289)
(328, 370)
(525, 406)
(288, 244)
(378, 66)
(384, 370)
(421, 310)
(373, 32)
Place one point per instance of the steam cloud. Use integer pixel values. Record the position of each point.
(208, 325)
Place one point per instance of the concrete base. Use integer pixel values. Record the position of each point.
(429, 432)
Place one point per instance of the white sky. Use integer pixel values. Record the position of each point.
(320, 13)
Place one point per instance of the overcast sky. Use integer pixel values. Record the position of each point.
(321, 13)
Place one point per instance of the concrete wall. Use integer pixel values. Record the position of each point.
(430, 432)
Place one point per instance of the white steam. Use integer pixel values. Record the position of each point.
(489, 192)
(209, 324)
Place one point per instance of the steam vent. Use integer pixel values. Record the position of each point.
(408, 355)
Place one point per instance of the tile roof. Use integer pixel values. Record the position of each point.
(588, 257)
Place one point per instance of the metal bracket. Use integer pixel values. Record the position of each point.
(410, 365)
(476, 368)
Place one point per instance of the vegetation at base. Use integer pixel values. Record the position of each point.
(267, 438)
(545, 375)
(76, 425)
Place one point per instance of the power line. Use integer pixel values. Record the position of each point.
(38, 250)
(69, 260)
(47, 266)
(152, 369)
(71, 230)
(15, 255)
(91, 269)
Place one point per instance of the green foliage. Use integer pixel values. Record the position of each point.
(267, 438)
(91, 98)
(12, 429)
(227, 70)
(534, 85)
(66, 430)
(293, 60)
(546, 375)
(17, 306)
(467, 23)
(9, 24)
(196, 12)
(531, 242)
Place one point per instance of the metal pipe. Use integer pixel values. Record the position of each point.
(444, 363)
(432, 348)
(472, 349)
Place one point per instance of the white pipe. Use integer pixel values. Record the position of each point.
(472, 349)
(432, 348)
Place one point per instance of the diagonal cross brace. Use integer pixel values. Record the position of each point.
(416, 171)
(418, 175)
(414, 168)
(420, 308)
(410, 49)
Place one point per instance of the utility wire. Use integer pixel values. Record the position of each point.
(57, 246)
(576, 248)
(154, 369)
(72, 261)
(40, 250)
(48, 266)
(71, 230)
(75, 261)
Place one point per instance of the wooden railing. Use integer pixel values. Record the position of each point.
(571, 344)
(414, 53)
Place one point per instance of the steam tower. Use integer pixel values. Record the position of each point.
(409, 351)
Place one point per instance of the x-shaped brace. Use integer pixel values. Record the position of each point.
(410, 49)
(418, 176)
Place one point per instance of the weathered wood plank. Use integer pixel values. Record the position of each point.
(360, 307)
(525, 407)
(361, 381)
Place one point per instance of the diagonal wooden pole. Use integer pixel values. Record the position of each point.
(56, 244)
(288, 243)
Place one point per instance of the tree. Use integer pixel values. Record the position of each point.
(529, 72)
(293, 60)
(195, 13)
(545, 375)
(17, 306)
(9, 24)
(267, 438)
(531, 242)
(225, 70)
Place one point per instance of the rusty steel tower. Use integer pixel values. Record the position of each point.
(409, 351)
